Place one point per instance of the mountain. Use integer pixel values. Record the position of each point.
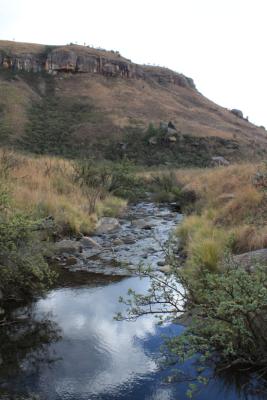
(75, 100)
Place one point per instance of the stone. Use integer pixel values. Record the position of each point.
(129, 240)
(163, 126)
(161, 263)
(67, 246)
(88, 242)
(171, 131)
(71, 260)
(106, 225)
(250, 259)
(172, 139)
(153, 140)
(219, 161)
(165, 269)
(226, 197)
(237, 113)
(117, 242)
(144, 223)
(171, 126)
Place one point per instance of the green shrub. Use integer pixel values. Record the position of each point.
(23, 269)
(225, 313)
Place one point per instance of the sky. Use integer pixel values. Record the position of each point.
(221, 44)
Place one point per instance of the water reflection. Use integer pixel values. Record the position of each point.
(96, 357)
(106, 354)
(24, 346)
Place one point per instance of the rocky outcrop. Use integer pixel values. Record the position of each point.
(237, 113)
(81, 59)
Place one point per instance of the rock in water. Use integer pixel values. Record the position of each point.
(106, 224)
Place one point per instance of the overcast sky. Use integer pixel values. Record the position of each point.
(221, 44)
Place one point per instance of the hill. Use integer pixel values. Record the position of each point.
(74, 100)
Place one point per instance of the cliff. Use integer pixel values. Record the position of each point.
(82, 59)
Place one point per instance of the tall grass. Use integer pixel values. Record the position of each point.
(230, 214)
(45, 186)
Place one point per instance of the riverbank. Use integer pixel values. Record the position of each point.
(225, 210)
(42, 199)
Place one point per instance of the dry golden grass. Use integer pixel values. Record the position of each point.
(232, 213)
(44, 186)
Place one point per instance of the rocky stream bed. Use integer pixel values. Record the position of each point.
(120, 246)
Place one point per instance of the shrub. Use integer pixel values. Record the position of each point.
(227, 320)
(23, 270)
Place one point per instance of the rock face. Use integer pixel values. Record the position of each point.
(81, 59)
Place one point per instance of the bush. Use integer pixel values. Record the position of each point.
(225, 314)
(23, 270)
(100, 180)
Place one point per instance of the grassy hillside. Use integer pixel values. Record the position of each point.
(90, 113)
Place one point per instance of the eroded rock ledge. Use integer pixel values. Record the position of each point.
(83, 59)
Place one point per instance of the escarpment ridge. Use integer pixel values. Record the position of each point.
(82, 59)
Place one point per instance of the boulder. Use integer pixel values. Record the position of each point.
(171, 125)
(250, 259)
(117, 242)
(166, 269)
(163, 126)
(226, 197)
(219, 160)
(161, 263)
(129, 240)
(68, 246)
(171, 131)
(71, 260)
(144, 223)
(172, 139)
(106, 224)
(237, 113)
(152, 140)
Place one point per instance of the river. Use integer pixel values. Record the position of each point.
(67, 345)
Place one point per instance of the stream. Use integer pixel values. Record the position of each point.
(67, 346)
